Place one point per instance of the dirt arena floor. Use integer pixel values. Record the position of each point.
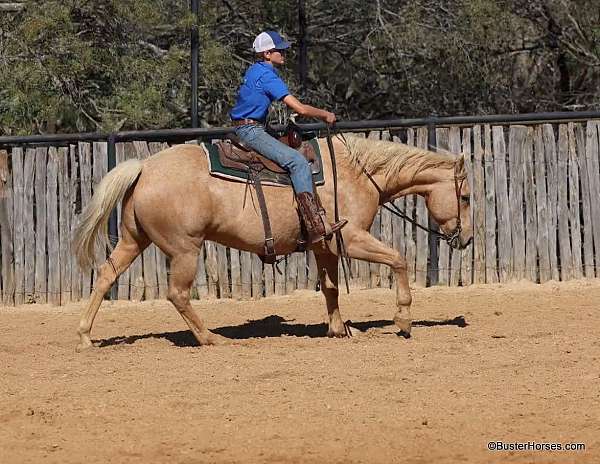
(518, 363)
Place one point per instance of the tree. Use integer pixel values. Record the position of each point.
(76, 65)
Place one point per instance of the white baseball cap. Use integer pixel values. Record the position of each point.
(269, 40)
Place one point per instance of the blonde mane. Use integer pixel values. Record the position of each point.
(391, 157)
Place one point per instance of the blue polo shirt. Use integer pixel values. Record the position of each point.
(262, 86)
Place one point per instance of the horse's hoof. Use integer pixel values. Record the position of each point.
(405, 325)
(212, 339)
(84, 346)
(334, 334)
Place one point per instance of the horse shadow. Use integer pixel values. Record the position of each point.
(274, 326)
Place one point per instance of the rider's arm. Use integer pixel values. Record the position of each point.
(307, 110)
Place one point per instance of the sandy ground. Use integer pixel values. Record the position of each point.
(517, 363)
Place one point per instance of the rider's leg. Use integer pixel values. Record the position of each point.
(298, 167)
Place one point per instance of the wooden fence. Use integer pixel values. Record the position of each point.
(535, 199)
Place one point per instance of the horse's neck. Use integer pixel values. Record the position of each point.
(407, 182)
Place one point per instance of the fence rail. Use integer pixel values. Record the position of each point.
(535, 193)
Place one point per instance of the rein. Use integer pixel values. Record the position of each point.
(449, 238)
(338, 235)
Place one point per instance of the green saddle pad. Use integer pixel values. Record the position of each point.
(267, 177)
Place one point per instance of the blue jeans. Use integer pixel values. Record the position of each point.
(255, 137)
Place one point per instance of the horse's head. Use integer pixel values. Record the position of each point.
(448, 201)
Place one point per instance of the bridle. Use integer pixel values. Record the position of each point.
(452, 238)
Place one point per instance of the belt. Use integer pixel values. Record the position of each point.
(246, 122)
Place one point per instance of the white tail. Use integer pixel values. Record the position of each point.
(91, 232)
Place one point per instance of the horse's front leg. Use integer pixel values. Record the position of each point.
(362, 245)
(328, 274)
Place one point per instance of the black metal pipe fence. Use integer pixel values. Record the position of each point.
(180, 135)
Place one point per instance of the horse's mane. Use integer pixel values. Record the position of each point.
(390, 158)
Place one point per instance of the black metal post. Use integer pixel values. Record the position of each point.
(432, 269)
(194, 63)
(303, 49)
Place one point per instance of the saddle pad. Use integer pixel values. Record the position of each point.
(267, 177)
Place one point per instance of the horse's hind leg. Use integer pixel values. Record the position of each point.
(328, 274)
(122, 256)
(183, 271)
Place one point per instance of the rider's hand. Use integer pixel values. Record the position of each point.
(329, 118)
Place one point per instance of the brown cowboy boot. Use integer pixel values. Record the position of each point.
(315, 220)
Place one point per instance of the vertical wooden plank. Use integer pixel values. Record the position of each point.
(236, 274)
(201, 283)
(552, 192)
(398, 237)
(291, 273)
(543, 245)
(531, 232)
(149, 254)
(279, 279)
(442, 144)
(257, 277)
(85, 169)
(212, 269)
(52, 228)
(466, 256)
(269, 278)
(29, 224)
(516, 145)
(388, 240)
(41, 253)
(246, 264)
(502, 205)
(19, 239)
(364, 273)
(456, 256)
(64, 224)
(478, 205)
(302, 271)
(123, 282)
(76, 277)
(6, 233)
(409, 228)
(422, 217)
(564, 243)
(574, 210)
(223, 266)
(161, 259)
(491, 254)
(313, 272)
(591, 155)
(588, 241)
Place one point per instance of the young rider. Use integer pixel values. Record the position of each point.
(262, 85)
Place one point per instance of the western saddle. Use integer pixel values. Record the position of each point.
(233, 154)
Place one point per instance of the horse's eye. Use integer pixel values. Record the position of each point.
(466, 199)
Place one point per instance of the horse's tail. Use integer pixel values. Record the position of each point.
(91, 232)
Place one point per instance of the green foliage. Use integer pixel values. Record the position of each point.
(83, 65)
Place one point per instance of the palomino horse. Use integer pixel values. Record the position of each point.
(172, 200)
